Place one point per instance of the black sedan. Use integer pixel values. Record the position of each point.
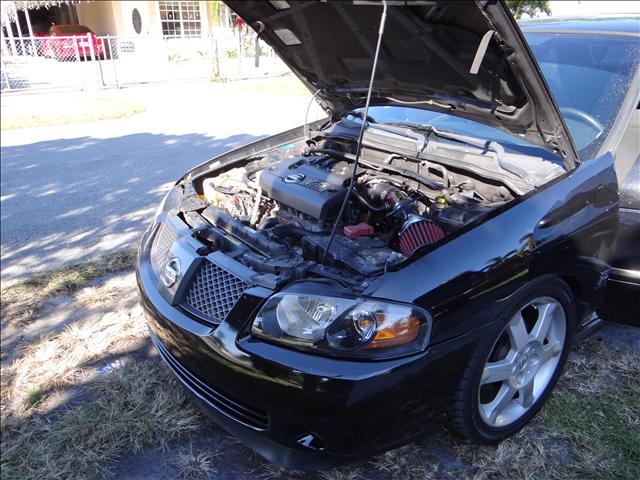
(430, 252)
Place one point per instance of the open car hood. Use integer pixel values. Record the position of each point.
(463, 58)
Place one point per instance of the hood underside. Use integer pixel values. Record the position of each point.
(463, 58)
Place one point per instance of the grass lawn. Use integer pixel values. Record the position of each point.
(66, 415)
(41, 110)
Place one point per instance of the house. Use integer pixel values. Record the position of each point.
(169, 19)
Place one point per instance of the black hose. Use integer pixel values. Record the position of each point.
(362, 199)
(254, 238)
(268, 223)
(285, 230)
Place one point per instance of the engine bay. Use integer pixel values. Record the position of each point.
(274, 212)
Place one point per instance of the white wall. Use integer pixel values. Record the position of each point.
(98, 16)
(115, 17)
(148, 13)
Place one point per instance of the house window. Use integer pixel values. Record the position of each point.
(180, 19)
(136, 19)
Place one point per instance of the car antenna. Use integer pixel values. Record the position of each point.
(365, 116)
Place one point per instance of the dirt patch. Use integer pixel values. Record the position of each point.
(85, 392)
(22, 302)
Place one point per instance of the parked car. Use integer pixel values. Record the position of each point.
(338, 289)
(71, 42)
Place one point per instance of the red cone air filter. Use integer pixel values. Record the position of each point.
(418, 233)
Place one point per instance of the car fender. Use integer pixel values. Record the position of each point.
(566, 228)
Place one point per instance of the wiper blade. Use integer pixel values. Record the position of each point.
(413, 126)
(360, 115)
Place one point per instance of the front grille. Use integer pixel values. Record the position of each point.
(235, 409)
(214, 292)
(161, 250)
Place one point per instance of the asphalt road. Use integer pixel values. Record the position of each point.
(72, 192)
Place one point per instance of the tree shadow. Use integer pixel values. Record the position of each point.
(68, 200)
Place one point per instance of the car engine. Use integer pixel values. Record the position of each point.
(275, 212)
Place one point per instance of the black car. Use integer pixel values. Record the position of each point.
(338, 289)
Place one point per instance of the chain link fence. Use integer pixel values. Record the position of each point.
(88, 61)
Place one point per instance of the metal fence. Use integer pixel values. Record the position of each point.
(87, 61)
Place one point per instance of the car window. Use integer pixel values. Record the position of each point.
(589, 76)
(72, 29)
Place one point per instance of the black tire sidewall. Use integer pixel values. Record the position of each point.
(475, 427)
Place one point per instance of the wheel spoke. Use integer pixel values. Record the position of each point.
(526, 395)
(497, 371)
(545, 318)
(549, 351)
(518, 332)
(497, 405)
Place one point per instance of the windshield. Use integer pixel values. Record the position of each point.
(588, 75)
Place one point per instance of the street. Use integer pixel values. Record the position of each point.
(72, 192)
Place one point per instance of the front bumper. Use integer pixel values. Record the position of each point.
(299, 410)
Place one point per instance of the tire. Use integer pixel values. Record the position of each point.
(510, 361)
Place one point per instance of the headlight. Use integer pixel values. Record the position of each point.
(362, 328)
(170, 201)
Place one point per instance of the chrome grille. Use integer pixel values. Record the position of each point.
(214, 291)
(161, 250)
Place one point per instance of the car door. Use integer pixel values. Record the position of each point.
(621, 301)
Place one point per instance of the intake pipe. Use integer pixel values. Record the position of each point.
(248, 235)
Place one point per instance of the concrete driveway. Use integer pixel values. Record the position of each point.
(75, 191)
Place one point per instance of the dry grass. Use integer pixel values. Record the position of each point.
(589, 429)
(349, 472)
(410, 462)
(58, 362)
(73, 110)
(138, 406)
(270, 471)
(522, 456)
(596, 413)
(49, 433)
(196, 465)
(22, 302)
(97, 295)
(61, 417)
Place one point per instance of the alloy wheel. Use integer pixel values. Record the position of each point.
(522, 362)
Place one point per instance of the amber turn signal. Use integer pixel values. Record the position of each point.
(396, 333)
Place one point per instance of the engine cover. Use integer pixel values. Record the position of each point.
(310, 185)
